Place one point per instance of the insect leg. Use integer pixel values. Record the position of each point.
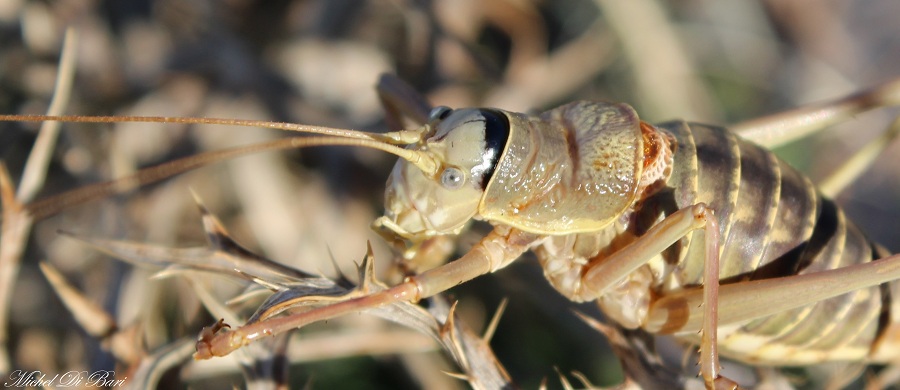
(861, 160)
(781, 128)
(745, 301)
(599, 277)
(495, 251)
(403, 105)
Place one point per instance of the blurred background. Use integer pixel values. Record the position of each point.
(317, 62)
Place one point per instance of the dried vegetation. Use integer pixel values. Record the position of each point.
(317, 62)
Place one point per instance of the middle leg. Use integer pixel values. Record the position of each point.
(600, 277)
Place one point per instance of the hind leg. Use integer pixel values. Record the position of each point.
(784, 127)
(600, 277)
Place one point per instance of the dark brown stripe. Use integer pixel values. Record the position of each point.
(803, 254)
(717, 162)
(755, 211)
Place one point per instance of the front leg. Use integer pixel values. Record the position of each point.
(600, 276)
(496, 250)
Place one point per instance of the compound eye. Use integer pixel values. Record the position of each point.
(452, 178)
(439, 113)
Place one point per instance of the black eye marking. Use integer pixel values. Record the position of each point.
(496, 134)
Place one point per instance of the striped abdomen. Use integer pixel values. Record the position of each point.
(773, 223)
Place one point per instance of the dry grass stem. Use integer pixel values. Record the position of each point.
(302, 216)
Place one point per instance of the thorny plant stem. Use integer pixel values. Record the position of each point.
(226, 342)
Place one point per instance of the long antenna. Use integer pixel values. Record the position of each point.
(56, 203)
(387, 142)
(384, 142)
(402, 137)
